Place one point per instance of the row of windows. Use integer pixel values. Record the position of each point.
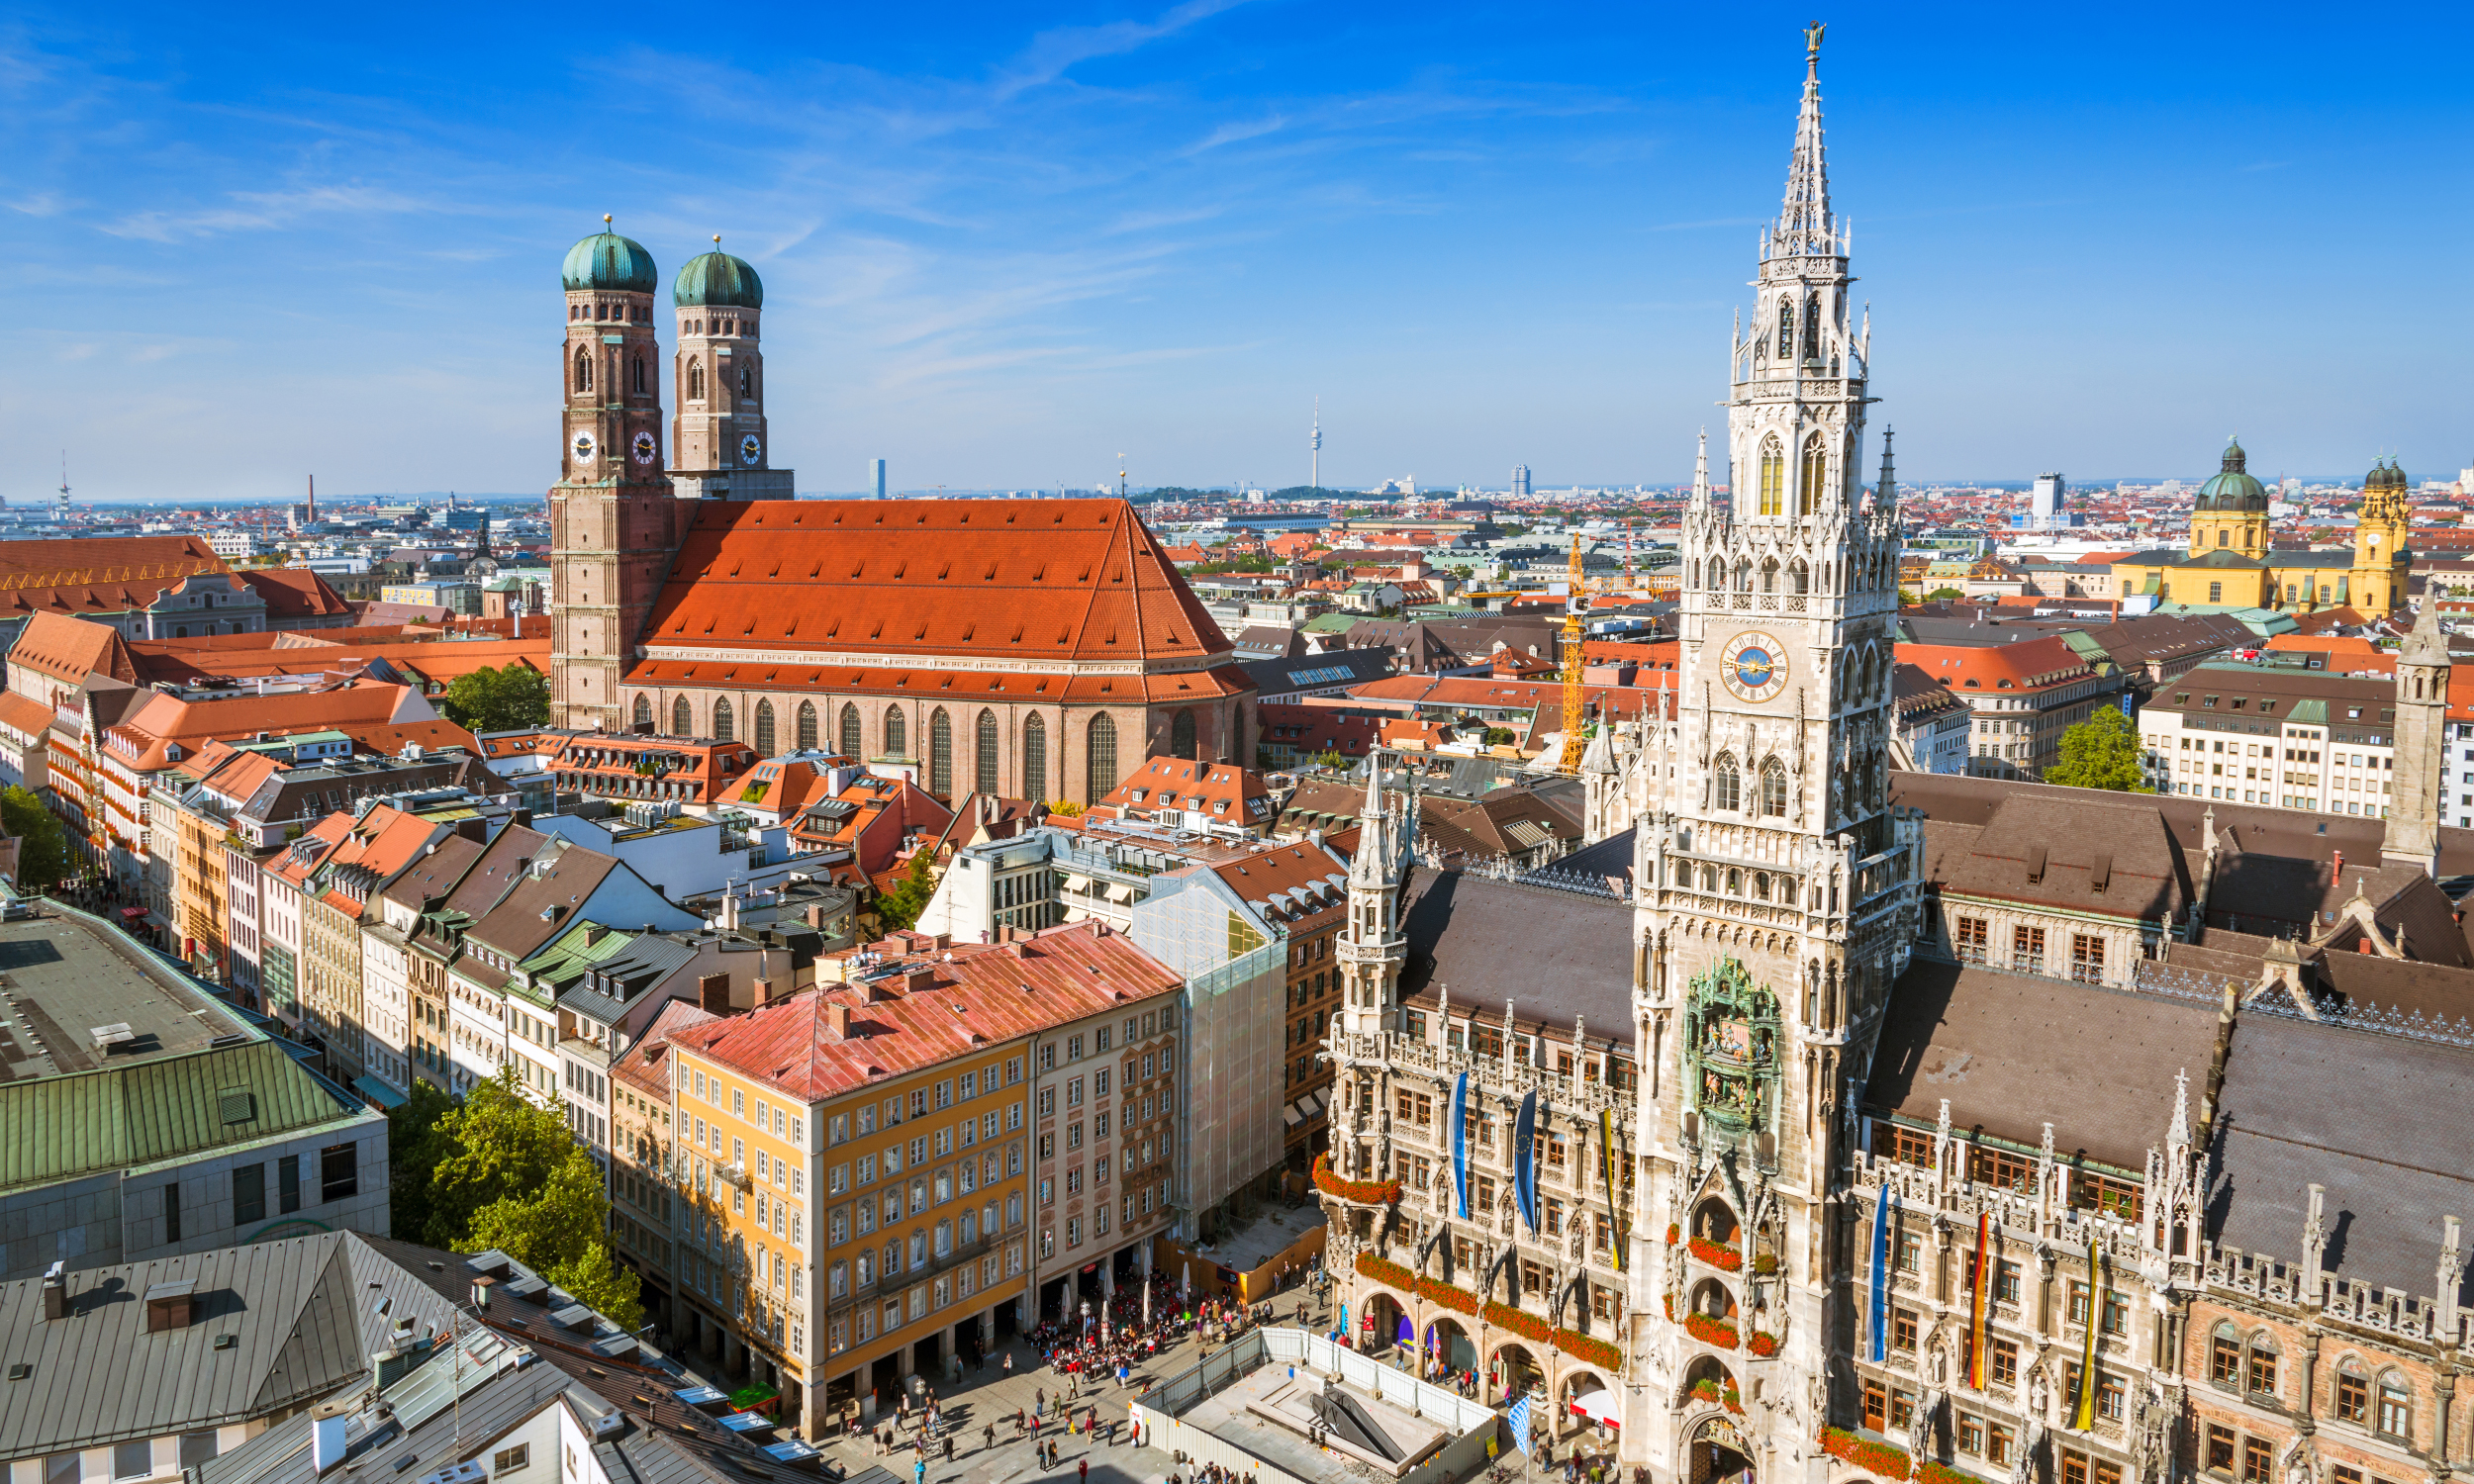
(2249, 1365)
(894, 735)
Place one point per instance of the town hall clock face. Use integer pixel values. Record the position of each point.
(1753, 667)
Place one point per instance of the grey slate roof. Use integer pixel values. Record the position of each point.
(2015, 1052)
(1559, 954)
(303, 1311)
(2377, 1119)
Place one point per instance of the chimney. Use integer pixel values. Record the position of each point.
(481, 1287)
(56, 1291)
(326, 1423)
(763, 991)
(839, 1017)
(816, 915)
(713, 992)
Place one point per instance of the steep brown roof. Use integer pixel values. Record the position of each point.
(99, 575)
(291, 594)
(1030, 579)
(70, 649)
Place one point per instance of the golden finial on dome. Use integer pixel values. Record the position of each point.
(605, 219)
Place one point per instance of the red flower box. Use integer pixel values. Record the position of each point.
(1763, 1344)
(1886, 1459)
(1725, 1259)
(1460, 1300)
(1526, 1325)
(1710, 1331)
(1364, 1192)
(1385, 1273)
(1595, 1352)
(1674, 1234)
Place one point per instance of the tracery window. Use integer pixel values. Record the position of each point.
(694, 381)
(941, 754)
(1772, 478)
(1099, 772)
(807, 726)
(1181, 735)
(851, 741)
(764, 729)
(1035, 758)
(1727, 784)
(1816, 469)
(1786, 327)
(986, 779)
(682, 719)
(1774, 788)
(722, 720)
(584, 370)
(644, 711)
(896, 733)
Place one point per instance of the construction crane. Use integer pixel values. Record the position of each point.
(1575, 603)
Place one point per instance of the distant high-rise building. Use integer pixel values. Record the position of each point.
(876, 477)
(2044, 502)
(1520, 480)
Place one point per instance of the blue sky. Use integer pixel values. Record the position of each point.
(1002, 245)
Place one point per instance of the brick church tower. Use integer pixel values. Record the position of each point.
(615, 520)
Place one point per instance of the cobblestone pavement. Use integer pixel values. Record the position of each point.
(990, 1398)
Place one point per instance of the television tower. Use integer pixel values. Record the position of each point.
(63, 480)
(1315, 448)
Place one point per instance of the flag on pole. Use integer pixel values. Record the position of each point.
(1881, 1270)
(2085, 1420)
(1975, 1300)
(1518, 1419)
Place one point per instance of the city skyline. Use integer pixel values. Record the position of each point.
(1000, 253)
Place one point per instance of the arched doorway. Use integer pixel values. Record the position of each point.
(1584, 1403)
(1512, 1374)
(1381, 1325)
(1449, 1348)
(1719, 1453)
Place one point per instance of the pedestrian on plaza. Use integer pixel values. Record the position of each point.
(987, 1438)
(1039, 1399)
(949, 1447)
(1008, 1362)
(1018, 1424)
(1081, 1471)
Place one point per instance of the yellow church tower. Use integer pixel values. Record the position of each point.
(2233, 512)
(2381, 558)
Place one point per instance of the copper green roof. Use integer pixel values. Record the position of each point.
(606, 260)
(166, 1108)
(2232, 488)
(717, 280)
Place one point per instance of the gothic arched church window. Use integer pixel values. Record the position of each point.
(850, 739)
(1100, 757)
(764, 728)
(1816, 468)
(807, 726)
(1181, 735)
(896, 735)
(1786, 327)
(1035, 758)
(941, 754)
(983, 752)
(722, 721)
(696, 381)
(1727, 784)
(1812, 328)
(682, 719)
(644, 712)
(1774, 788)
(1773, 477)
(747, 381)
(583, 371)
(640, 373)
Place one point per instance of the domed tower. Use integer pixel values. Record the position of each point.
(2377, 584)
(720, 370)
(614, 520)
(2233, 511)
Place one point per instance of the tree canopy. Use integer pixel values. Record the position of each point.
(502, 699)
(42, 841)
(901, 906)
(2102, 752)
(498, 1169)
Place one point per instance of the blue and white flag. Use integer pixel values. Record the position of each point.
(1518, 1420)
(1459, 1142)
(1880, 1307)
(1525, 1161)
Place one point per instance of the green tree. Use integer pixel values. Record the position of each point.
(502, 1170)
(2102, 752)
(901, 906)
(416, 1143)
(1906, 597)
(1940, 594)
(503, 699)
(556, 1229)
(42, 843)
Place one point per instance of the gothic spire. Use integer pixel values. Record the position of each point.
(1806, 228)
(1885, 492)
(1700, 473)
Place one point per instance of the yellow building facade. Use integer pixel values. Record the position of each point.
(2229, 561)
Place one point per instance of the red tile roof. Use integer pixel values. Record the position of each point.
(2030, 665)
(293, 593)
(923, 1010)
(1034, 580)
(70, 649)
(99, 575)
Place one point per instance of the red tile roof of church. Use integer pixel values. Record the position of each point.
(1041, 580)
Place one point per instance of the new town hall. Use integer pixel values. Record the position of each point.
(1833, 1123)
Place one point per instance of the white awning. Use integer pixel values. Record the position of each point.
(1075, 883)
(1598, 1407)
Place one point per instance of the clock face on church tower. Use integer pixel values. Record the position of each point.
(585, 446)
(643, 447)
(1752, 667)
(750, 450)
